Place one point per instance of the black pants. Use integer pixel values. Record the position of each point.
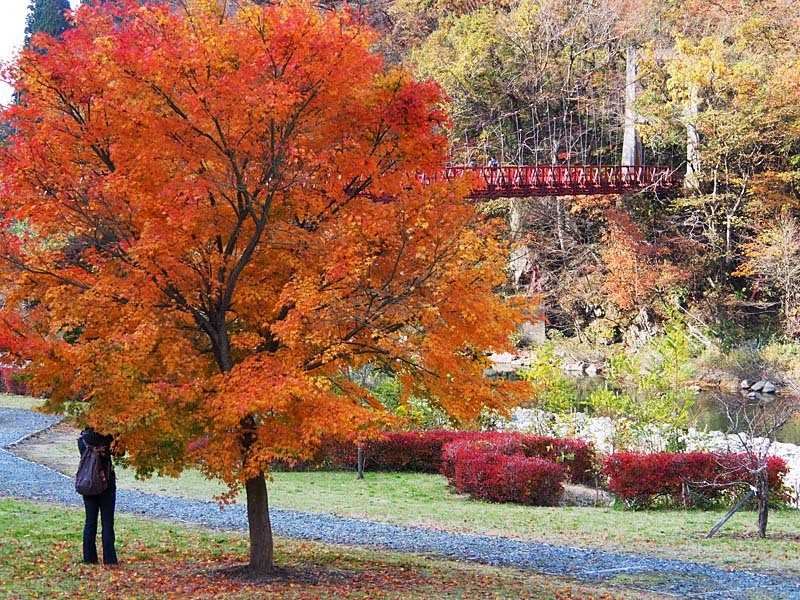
(104, 505)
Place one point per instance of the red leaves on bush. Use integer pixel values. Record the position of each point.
(496, 466)
(692, 479)
(421, 452)
(451, 456)
(498, 470)
(418, 451)
(507, 478)
(13, 381)
(576, 456)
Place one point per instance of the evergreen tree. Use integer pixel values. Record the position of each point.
(48, 16)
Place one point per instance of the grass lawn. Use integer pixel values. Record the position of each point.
(418, 499)
(14, 401)
(40, 558)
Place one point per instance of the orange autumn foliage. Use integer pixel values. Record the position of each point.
(190, 242)
(636, 270)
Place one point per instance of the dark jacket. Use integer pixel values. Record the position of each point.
(91, 438)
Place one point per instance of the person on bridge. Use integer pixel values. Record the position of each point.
(493, 162)
(101, 503)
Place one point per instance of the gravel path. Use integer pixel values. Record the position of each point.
(23, 479)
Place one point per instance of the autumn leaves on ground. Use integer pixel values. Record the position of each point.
(40, 559)
(175, 558)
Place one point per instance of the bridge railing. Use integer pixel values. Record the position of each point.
(559, 180)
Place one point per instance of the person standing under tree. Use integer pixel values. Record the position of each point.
(101, 503)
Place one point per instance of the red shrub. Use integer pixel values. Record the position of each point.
(737, 468)
(12, 380)
(336, 454)
(408, 451)
(577, 457)
(452, 455)
(423, 452)
(693, 479)
(331, 454)
(640, 479)
(508, 478)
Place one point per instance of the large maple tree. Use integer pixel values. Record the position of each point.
(210, 215)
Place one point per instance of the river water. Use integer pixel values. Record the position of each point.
(708, 416)
(706, 412)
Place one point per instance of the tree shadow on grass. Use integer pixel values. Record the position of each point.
(307, 574)
(776, 537)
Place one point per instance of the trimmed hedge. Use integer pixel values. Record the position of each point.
(508, 478)
(421, 451)
(12, 380)
(692, 479)
(576, 456)
(417, 451)
(494, 466)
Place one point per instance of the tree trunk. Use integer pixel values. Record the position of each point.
(261, 543)
(632, 152)
(560, 226)
(692, 178)
(728, 239)
(762, 485)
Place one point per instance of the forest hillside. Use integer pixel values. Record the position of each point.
(707, 88)
(710, 89)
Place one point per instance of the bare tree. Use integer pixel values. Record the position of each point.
(754, 423)
(774, 256)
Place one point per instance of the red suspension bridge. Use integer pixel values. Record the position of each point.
(563, 180)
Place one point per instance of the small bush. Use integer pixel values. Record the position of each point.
(335, 454)
(465, 444)
(692, 479)
(13, 380)
(576, 456)
(508, 478)
(415, 451)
